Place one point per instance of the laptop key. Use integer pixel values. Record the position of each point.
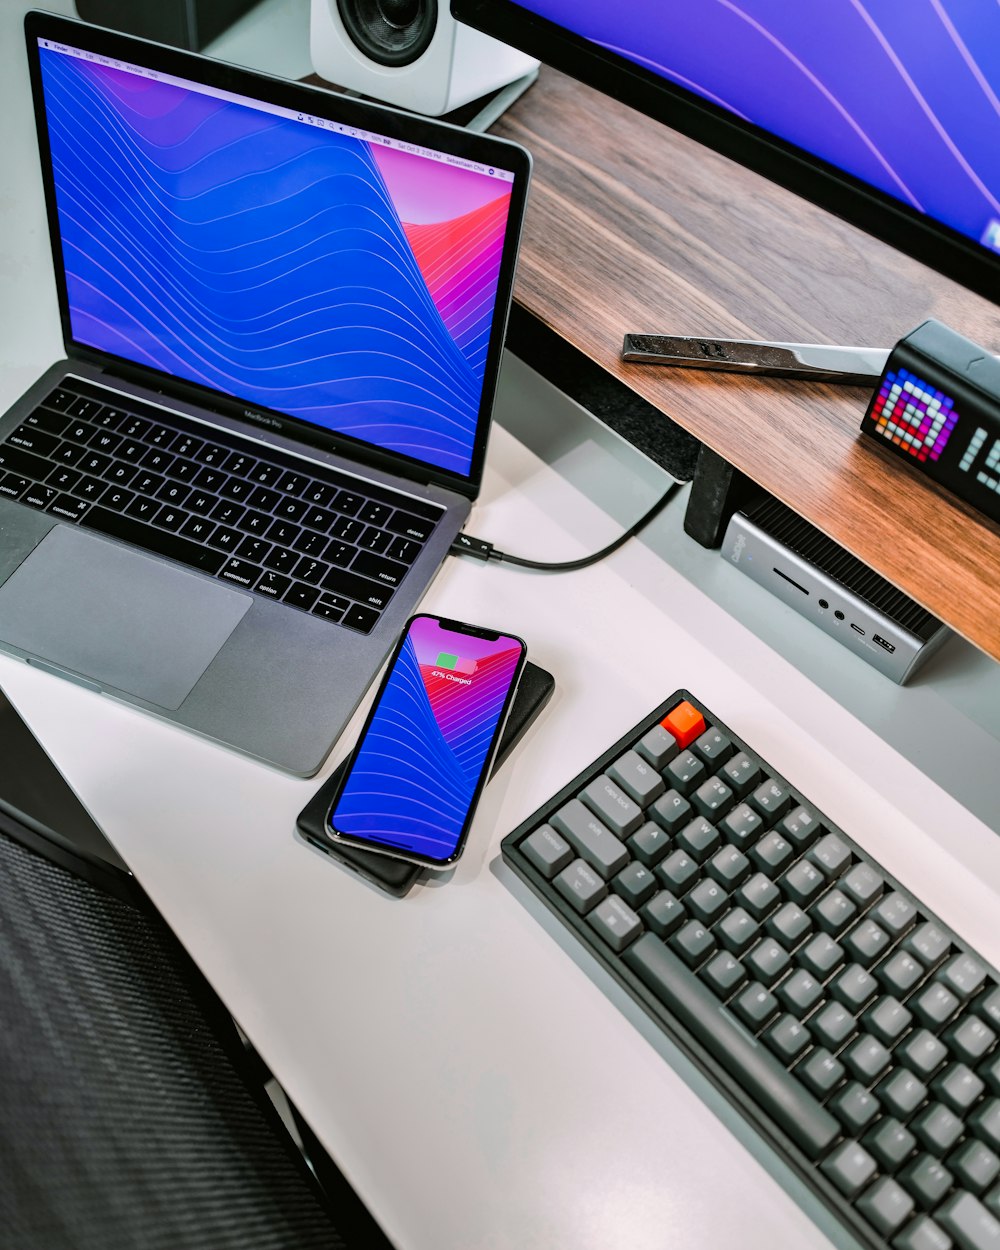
(187, 446)
(132, 451)
(63, 479)
(311, 571)
(60, 399)
(253, 549)
(264, 498)
(376, 540)
(342, 582)
(91, 488)
(348, 502)
(329, 609)
(281, 560)
(169, 517)
(157, 460)
(198, 528)
(134, 427)
(339, 553)
(237, 488)
(226, 539)
(173, 492)
(265, 474)
(210, 480)
(309, 542)
(117, 498)
(160, 542)
(14, 460)
(360, 618)
(105, 441)
(143, 508)
(74, 453)
(213, 455)
(255, 523)
(242, 572)
(317, 519)
(375, 513)
(84, 408)
(283, 532)
(320, 493)
(13, 485)
(403, 549)
(239, 464)
(184, 470)
(291, 510)
(227, 513)
(273, 585)
(67, 506)
(50, 422)
(347, 529)
(301, 596)
(379, 568)
(410, 526)
(120, 474)
(292, 483)
(198, 501)
(32, 439)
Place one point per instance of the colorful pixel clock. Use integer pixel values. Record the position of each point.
(938, 406)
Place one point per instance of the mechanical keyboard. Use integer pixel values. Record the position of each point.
(325, 542)
(852, 1028)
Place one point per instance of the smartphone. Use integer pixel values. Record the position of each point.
(412, 784)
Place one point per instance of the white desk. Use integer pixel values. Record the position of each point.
(479, 1084)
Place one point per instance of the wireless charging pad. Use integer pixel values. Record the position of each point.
(396, 876)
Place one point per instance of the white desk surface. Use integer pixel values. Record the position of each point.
(480, 1084)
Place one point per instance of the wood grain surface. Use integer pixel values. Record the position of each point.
(632, 227)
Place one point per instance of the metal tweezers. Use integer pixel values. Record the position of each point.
(813, 362)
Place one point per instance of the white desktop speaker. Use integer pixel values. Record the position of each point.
(411, 53)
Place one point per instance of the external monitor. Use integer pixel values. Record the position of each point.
(886, 112)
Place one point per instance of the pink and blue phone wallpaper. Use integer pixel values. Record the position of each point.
(337, 279)
(418, 769)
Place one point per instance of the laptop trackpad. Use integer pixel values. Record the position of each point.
(117, 617)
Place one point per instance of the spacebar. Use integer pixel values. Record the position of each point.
(787, 1102)
(160, 542)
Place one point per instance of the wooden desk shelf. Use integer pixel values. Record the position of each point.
(632, 227)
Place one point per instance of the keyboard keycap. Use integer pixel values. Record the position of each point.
(783, 1096)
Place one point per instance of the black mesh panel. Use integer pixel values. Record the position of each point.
(123, 1122)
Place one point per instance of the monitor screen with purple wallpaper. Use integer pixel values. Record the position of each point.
(885, 111)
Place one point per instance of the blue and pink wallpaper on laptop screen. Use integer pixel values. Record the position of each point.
(417, 771)
(328, 277)
(904, 94)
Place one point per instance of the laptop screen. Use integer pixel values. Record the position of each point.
(341, 277)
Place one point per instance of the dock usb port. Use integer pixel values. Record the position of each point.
(857, 629)
(888, 646)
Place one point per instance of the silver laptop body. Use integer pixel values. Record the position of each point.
(296, 302)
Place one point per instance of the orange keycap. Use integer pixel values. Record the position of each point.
(685, 722)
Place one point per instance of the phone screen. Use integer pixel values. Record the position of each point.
(422, 759)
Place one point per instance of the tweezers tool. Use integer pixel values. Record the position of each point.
(809, 362)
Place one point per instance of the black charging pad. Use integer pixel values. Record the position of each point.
(396, 876)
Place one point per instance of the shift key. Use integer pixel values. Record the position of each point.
(592, 841)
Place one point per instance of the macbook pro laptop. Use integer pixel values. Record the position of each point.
(283, 312)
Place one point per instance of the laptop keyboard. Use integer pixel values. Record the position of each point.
(842, 1018)
(325, 542)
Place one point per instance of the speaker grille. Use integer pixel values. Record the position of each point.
(390, 32)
